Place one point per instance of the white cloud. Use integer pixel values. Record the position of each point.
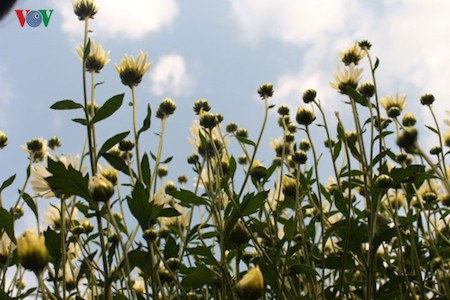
(408, 37)
(131, 19)
(6, 95)
(170, 76)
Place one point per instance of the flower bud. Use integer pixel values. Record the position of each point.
(305, 116)
(3, 140)
(289, 186)
(300, 157)
(150, 235)
(304, 145)
(101, 188)
(329, 143)
(365, 45)
(163, 171)
(427, 99)
(208, 120)
(126, 145)
(251, 286)
(54, 143)
(88, 227)
(436, 150)
(283, 110)
(84, 9)
(17, 212)
(231, 127)
(309, 95)
(165, 276)
(257, 170)
(182, 179)
(409, 119)
(111, 174)
(265, 90)
(32, 251)
(384, 181)
(174, 263)
(367, 89)
(193, 159)
(242, 160)
(242, 132)
(166, 108)
(201, 105)
(407, 138)
(239, 234)
(445, 199)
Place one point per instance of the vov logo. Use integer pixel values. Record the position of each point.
(34, 18)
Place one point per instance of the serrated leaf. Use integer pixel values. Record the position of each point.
(67, 181)
(140, 259)
(66, 105)
(112, 141)
(251, 203)
(7, 223)
(80, 121)
(107, 109)
(7, 182)
(147, 121)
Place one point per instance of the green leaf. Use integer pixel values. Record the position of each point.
(357, 97)
(198, 277)
(30, 202)
(188, 198)
(302, 269)
(171, 249)
(67, 181)
(80, 121)
(145, 167)
(7, 223)
(118, 163)
(139, 205)
(252, 203)
(7, 182)
(377, 63)
(140, 259)
(432, 129)
(112, 141)
(147, 121)
(169, 212)
(87, 50)
(245, 140)
(107, 109)
(53, 244)
(66, 105)
(167, 160)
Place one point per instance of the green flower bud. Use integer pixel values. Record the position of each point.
(300, 157)
(182, 179)
(304, 145)
(54, 143)
(283, 110)
(309, 95)
(242, 132)
(150, 235)
(174, 263)
(163, 171)
(305, 116)
(289, 186)
(384, 181)
(436, 150)
(231, 127)
(101, 189)
(239, 234)
(265, 90)
(126, 145)
(3, 140)
(201, 105)
(427, 99)
(166, 108)
(367, 89)
(409, 119)
(84, 9)
(407, 138)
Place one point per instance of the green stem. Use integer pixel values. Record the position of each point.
(136, 134)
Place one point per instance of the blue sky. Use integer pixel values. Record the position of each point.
(217, 50)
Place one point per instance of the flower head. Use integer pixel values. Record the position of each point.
(6, 247)
(346, 79)
(3, 140)
(97, 57)
(352, 55)
(32, 251)
(393, 105)
(132, 70)
(84, 9)
(37, 149)
(251, 286)
(265, 90)
(101, 188)
(305, 116)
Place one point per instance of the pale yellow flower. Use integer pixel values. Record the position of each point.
(97, 57)
(32, 251)
(6, 248)
(353, 54)
(132, 70)
(52, 216)
(393, 105)
(251, 286)
(348, 78)
(37, 149)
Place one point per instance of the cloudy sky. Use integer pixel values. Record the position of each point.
(217, 50)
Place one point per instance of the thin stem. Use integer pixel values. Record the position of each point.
(136, 134)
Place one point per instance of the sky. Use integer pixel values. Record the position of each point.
(215, 50)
